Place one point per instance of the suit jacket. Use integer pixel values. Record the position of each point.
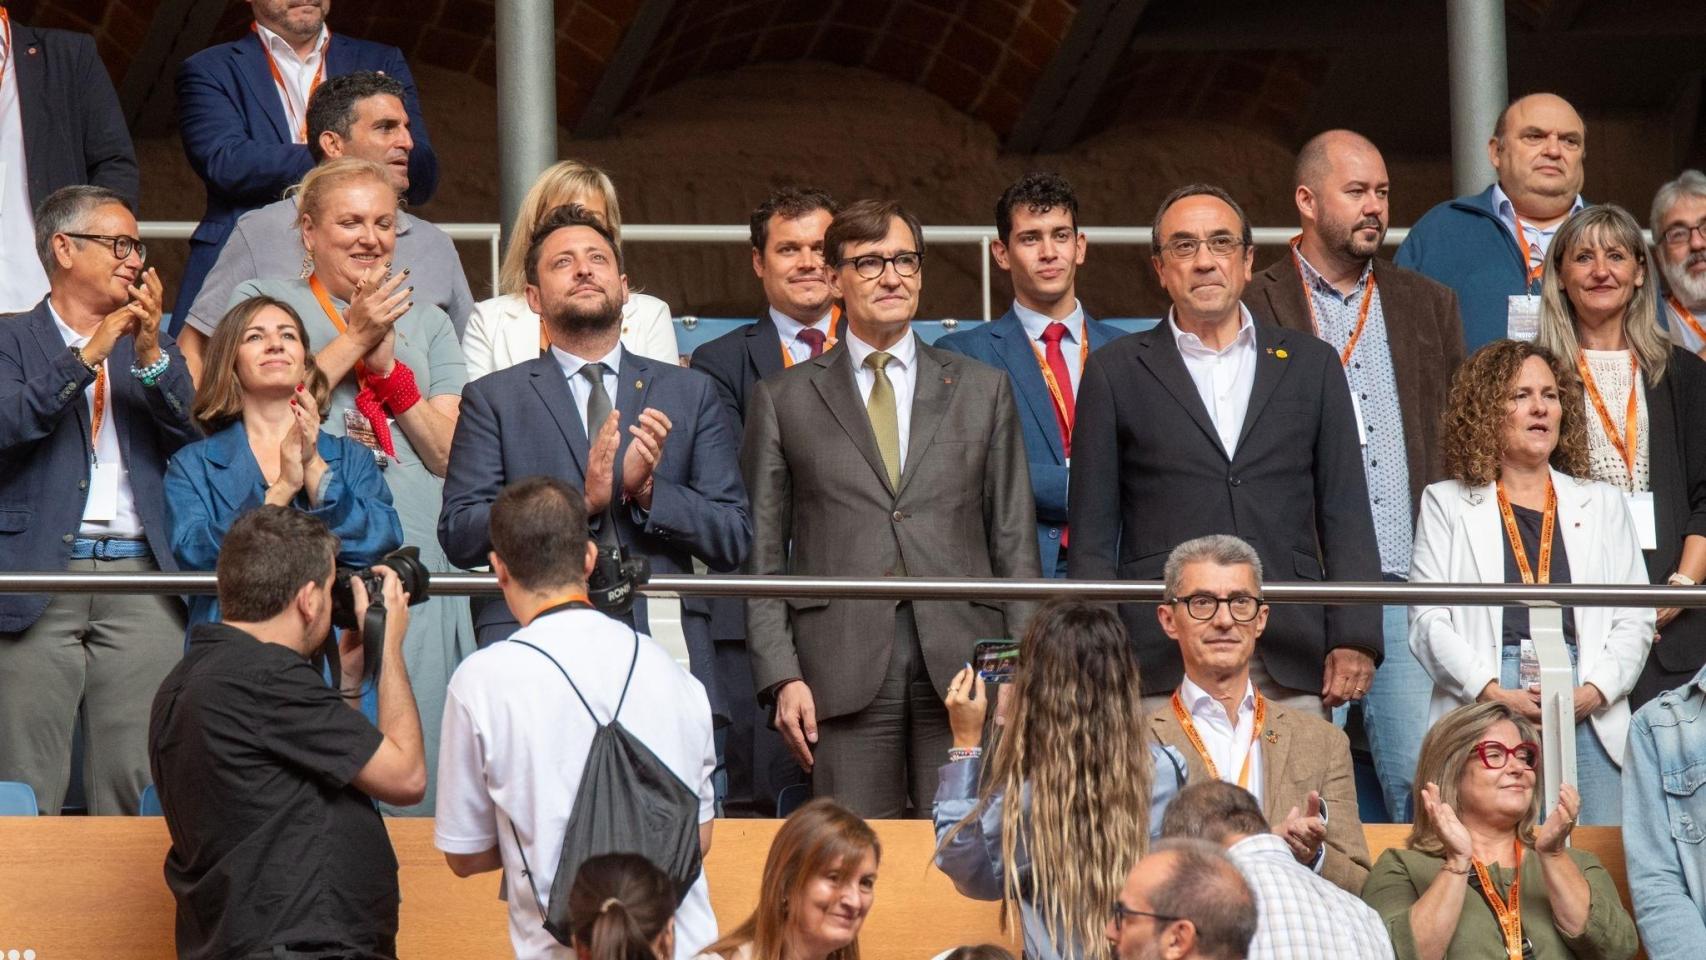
(1423, 331)
(1460, 539)
(1004, 345)
(1300, 753)
(1676, 458)
(522, 422)
(44, 448)
(1149, 473)
(74, 129)
(237, 139)
(823, 506)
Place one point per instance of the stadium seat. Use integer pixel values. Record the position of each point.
(151, 802)
(17, 800)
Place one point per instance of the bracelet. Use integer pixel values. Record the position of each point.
(91, 367)
(150, 375)
(1680, 579)
(956, 754)
(1446, 866)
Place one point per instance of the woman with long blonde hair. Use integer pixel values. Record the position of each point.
(1089, 781)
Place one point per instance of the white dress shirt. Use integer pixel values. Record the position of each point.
(582, 389)
(124, 523)
(1070, 346)
(1227, 744)
(788, 332)
(903, 374)
(298, 73)
(23, 282)
(1223, 377)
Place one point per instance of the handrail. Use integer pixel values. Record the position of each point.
(961, 588)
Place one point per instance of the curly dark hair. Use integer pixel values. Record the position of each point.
(1038, 193)
(1472, 428)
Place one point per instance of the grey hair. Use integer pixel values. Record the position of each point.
(1220, 549)
(64, 211)
(1690, 183)
(1206, 888)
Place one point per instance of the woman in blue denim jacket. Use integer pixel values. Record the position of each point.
(1664, 821)
(1091, 779)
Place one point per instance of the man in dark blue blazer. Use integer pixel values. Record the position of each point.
(93, 402)
(244, 142)
(1043, 340)
(661, 472)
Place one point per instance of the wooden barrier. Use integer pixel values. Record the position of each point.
(75, 888)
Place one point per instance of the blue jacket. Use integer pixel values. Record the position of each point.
(209, 484)
(1664, 820)
(236, 137)
(1463, 244)
(44, 448)
(1004, 345)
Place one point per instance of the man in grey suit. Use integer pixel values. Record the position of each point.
(881, 457)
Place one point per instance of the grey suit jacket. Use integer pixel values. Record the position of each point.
(822, 506)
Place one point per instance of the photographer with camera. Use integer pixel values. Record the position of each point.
(267, 775)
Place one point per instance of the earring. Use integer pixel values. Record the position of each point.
(307, 265)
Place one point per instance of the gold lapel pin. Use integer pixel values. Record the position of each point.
(638, 384)
(1272, 737)
(1281, 353)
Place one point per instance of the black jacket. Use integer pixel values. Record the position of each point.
(74, 130)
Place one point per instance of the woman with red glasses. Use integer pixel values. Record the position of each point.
(1476, 879)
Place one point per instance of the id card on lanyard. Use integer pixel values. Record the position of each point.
(1345, 355)
(1522, 319)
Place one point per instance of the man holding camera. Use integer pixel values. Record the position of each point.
(267, 774)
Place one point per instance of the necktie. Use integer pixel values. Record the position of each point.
(885, 423)
(597, 402)
(813, 338)
(1064, 405)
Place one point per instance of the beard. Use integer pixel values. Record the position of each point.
(1690, 288)
(1345, 238)
(572, 317)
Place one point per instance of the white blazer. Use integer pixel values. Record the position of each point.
(1460, 539)
(503, 332)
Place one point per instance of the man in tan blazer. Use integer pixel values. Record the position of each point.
(881, 457)
(1297, 765)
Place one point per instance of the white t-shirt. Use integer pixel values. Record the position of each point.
(515, 738)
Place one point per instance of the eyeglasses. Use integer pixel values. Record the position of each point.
(122, 247)
(1203, 606)
(1120, 912)
(1679, 235)
(1495, 755)
(1221, 245)
(907, 263)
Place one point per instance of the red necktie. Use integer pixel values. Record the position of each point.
(811, 337)
(1056, 361)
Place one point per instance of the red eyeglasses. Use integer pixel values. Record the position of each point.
(1494, 755)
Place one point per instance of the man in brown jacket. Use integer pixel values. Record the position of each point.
(1399, 337)
(1296, 764)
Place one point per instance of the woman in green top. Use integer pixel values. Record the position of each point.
(1476, 879)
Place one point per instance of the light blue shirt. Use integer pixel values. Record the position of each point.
(1536, 240)
(581, 388)
(1664, 820)
(1070, 346)
(788, 331)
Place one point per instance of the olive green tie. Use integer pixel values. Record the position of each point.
(885, 423)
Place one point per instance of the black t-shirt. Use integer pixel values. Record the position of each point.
(253, 755)
(1528, 524)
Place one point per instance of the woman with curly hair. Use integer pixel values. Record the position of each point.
(1517, 511)
(1646, 398)
(1088, 778)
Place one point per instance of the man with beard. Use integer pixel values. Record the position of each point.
(1491, 247)
(1679, 233)
(1395, 332)
(649, 444)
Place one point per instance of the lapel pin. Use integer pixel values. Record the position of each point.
(638, 384)
(951, 380)
(1272, 737)
(1281, 353)
(31, 51)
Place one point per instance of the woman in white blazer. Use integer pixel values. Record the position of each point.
(1514, 442)
(504, 331)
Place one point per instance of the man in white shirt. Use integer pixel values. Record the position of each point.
(1295, 763)
(516, 737)
(1298, 914)
(1679, 234)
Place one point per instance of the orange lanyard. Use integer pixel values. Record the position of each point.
(828, 341)
(1628, 446)
(1055, 392)
(1548, 521)
(1509, 914)
(1686, 317)
(1315, 323)
(1535, 271)
(333, 315)
(100, 414)
(1191, 734)
(562, 600)
(278, 78)
(6, 24)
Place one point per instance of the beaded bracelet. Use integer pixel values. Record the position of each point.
(150, 375)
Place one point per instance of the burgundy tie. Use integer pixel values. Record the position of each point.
(811, 337)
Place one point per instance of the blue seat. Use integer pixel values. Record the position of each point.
(17, 800)
(151, 802)
(791, 798)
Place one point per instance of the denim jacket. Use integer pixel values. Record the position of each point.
(1664, 820)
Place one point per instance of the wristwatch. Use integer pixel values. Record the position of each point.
(1680, 579)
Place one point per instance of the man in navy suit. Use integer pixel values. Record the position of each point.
(243, 113)
(93, 401)
(661, 470)
(1043, 340)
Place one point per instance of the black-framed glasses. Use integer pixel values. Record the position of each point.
(1222, 245)
(1120, 912)
(122, 247)
(1495, 755)
(1680, 234)
(1203, 606)
(907, 263)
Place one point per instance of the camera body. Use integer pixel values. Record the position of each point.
(616, 577)
(416, 581)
